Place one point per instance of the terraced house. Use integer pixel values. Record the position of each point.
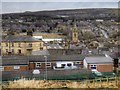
(20, 45)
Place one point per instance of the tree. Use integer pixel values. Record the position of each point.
(88, 35)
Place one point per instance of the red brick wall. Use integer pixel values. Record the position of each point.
(105, 68)
(11, 68)
(8, 68)
(32, 66)
(88, 66)
(23, 67)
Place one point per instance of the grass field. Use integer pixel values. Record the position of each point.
(22, 83)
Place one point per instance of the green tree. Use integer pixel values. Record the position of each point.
(88, 35)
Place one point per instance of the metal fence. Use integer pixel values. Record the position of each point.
(63, 75)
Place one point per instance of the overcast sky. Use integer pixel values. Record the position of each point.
(60, 0)
(11, 6)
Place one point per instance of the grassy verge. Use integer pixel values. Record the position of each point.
(22, 83)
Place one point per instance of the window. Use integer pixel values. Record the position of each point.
(12, 50)
(1, 68)
(69, 64)
(41, 48)
(30, 44)
(16, 67)
(77, 62)
(93, 66)
(6, 44)
(63, 65)
(40, 44)
(48, 64)
(19, 51)
(38, 65)
(12, 44)
(6, 50)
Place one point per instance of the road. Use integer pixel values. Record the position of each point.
(104, 33)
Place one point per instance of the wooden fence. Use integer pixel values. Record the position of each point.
(115, 80)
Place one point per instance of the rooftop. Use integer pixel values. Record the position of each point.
(98, 60)
(40, 52)
(54, 46)
(14, 60)
(48, 35)
(23, 60)
(13, 38)
(64, 51)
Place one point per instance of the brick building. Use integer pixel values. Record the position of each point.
(100, 63)
(41, 62)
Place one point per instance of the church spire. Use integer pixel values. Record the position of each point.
(74, 34)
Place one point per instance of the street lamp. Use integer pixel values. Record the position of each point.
(45, 54)
(45, 67)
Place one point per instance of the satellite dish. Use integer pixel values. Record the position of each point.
(36, 71)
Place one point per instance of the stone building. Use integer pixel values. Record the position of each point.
(20, 45)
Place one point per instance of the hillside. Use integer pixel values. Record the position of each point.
(73, 13)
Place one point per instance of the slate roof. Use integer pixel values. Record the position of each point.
(14, 60)
(64, 51)
(74, 47)
(40, 52)
(98, 60)
(24, 60)
(40, 58)
(72, 57)
(56, 58)
(13, 38)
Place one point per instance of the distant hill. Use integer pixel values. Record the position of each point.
(101, 13)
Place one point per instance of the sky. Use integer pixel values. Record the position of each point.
(13, 6)
(60, 0)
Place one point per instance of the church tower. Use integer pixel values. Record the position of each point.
(74, 34)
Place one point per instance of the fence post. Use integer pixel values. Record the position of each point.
(101, 82)
(116, 81)
(107, 79)
(94, 82)
(86, 83)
